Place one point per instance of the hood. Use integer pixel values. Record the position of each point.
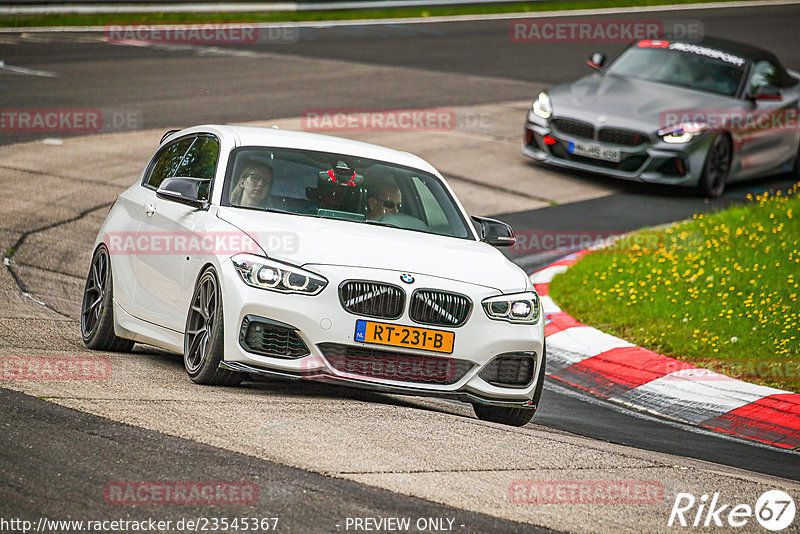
(629, 103)
(304, 240)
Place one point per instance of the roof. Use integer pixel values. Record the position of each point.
(746, 51)
(274, 137)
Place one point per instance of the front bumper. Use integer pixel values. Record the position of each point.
(321, 320)
(654, 162)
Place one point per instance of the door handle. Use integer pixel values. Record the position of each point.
(149, 208)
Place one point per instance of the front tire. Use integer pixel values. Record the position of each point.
(717, 168)
(515, 416)
(97, 308)
(204, 337)
(504, 416)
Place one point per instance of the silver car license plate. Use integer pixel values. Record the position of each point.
(591, 150)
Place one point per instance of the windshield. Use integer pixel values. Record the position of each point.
(336, 186)
(681, 64)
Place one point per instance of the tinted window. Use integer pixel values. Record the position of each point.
(339, 186)
(696, 67)
(200, 161)
(167, 161)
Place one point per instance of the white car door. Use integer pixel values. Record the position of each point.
(165, 235)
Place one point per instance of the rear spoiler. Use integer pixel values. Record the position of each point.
(167, 135)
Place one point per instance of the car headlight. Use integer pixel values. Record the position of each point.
(682, 133)
(542, 107)
(276, 276)
(517, 308)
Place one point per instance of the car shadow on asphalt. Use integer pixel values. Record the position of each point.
(314, 388)
(737, 190)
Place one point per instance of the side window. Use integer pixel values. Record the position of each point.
(433, 211)
(200, 161)
(764, 74)
(167, 161)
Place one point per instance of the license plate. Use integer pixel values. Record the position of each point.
(591, 150)
(404, 336)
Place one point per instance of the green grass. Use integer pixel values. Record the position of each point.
(285, 16)
(719, 291)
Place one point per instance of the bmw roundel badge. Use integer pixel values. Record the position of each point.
(407, 278)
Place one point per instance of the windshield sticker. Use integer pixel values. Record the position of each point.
(708, 52)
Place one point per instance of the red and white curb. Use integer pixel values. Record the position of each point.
(614, 369)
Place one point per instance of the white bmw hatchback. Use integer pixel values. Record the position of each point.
(263, 251)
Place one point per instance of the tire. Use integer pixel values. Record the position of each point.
(97, 307)
(717, 168)
(204, 335)
(514, 416)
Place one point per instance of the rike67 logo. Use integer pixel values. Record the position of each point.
(774, 510)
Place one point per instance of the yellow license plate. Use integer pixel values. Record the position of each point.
(404, 336)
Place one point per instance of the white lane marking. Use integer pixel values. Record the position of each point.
(545, 276)
(24, 71)
(548, 305)
(200, 50)
(585, 340)
(232, 7)
(614, 406)
(463, 18)
(694, 395)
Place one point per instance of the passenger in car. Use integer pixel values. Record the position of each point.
(383, 198)
(253, 187)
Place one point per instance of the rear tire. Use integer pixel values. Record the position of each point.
(97, 308)
(717, 168)
(204, 335)
(515, 416)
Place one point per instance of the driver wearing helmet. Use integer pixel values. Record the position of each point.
(384, 198)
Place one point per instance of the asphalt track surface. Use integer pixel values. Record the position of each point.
(429, 65)
(44, 477)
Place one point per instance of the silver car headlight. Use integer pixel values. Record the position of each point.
(516, 308)
(682, 133)
(262, 273)
(542, 107)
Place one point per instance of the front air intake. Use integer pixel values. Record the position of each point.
(514, 370)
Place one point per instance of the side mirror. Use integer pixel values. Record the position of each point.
(766, 92)
(495, 233)
(190, 191)
(596, 60)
